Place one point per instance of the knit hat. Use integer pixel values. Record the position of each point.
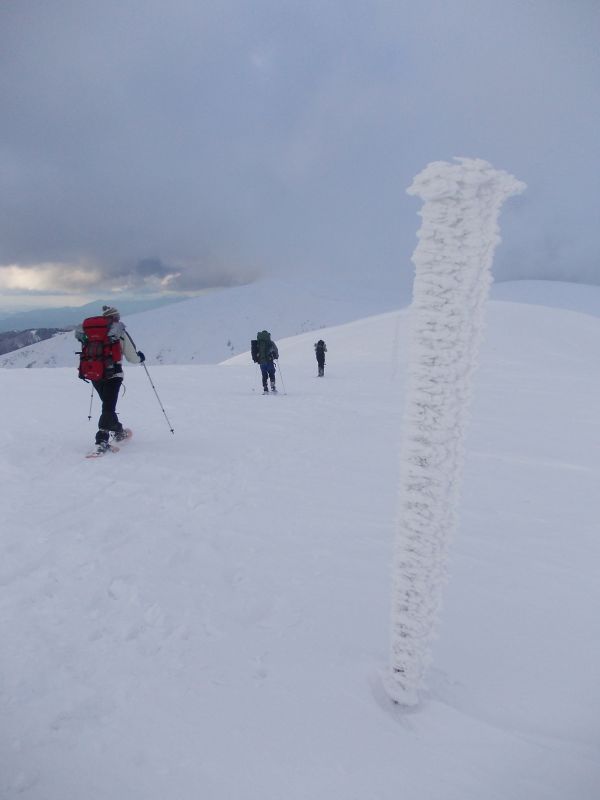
(109, 311)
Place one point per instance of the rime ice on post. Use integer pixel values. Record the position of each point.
(453, 262)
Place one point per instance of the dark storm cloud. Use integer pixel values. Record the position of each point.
(209, 274)
(138, 137)
(152, 267)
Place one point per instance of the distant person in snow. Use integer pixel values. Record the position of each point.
(320, 350)
(104, 342)
(265, 353)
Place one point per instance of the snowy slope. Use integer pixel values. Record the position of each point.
(580, 297)
(206, 614)
(215, 326)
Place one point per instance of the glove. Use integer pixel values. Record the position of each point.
(141, 356)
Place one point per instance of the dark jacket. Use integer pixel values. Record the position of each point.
(320, 350)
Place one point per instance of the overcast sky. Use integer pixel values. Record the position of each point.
(149, 145)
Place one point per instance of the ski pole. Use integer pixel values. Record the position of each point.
(157, 397)
(151, 384)
(281, 378)
(91, 400)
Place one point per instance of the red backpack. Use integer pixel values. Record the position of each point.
(98, 354)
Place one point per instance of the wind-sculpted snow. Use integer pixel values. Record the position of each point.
(453, 273)
(206, 615)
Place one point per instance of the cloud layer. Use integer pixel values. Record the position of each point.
(150, 146)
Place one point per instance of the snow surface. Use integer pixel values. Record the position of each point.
(206, 614)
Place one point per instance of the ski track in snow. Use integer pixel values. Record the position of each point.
(207, 614)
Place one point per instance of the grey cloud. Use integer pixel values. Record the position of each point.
(140, 138)
(189, 278)
(148, 267)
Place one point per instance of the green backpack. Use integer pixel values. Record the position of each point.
(263, 339)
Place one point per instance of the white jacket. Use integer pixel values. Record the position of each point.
(117, 331)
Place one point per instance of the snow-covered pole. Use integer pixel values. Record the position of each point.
(453, 260)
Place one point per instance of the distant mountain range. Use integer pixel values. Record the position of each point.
(68, 316)
(15, 340)
(214, 327)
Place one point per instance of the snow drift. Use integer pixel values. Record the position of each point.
(206, 614)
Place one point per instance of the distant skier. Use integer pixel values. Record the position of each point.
(265, 353)
(320, 350)
(104, 342)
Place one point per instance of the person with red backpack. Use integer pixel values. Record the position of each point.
(104, 342)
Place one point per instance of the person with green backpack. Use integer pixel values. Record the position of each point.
(264, 353)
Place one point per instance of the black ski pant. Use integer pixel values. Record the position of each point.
(321, 365)
(108, 392)
(267, 369)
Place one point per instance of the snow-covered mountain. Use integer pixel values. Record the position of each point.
(206, 614)
(581, 297)
(11, 340)
(69, 316)
(213, 327)
(210, 328)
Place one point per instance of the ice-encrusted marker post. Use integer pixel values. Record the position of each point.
(453, 260)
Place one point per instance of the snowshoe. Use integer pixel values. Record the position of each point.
(124, 433)
(101, 449)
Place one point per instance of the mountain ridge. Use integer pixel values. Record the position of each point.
(210, 328)
(213, 327)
